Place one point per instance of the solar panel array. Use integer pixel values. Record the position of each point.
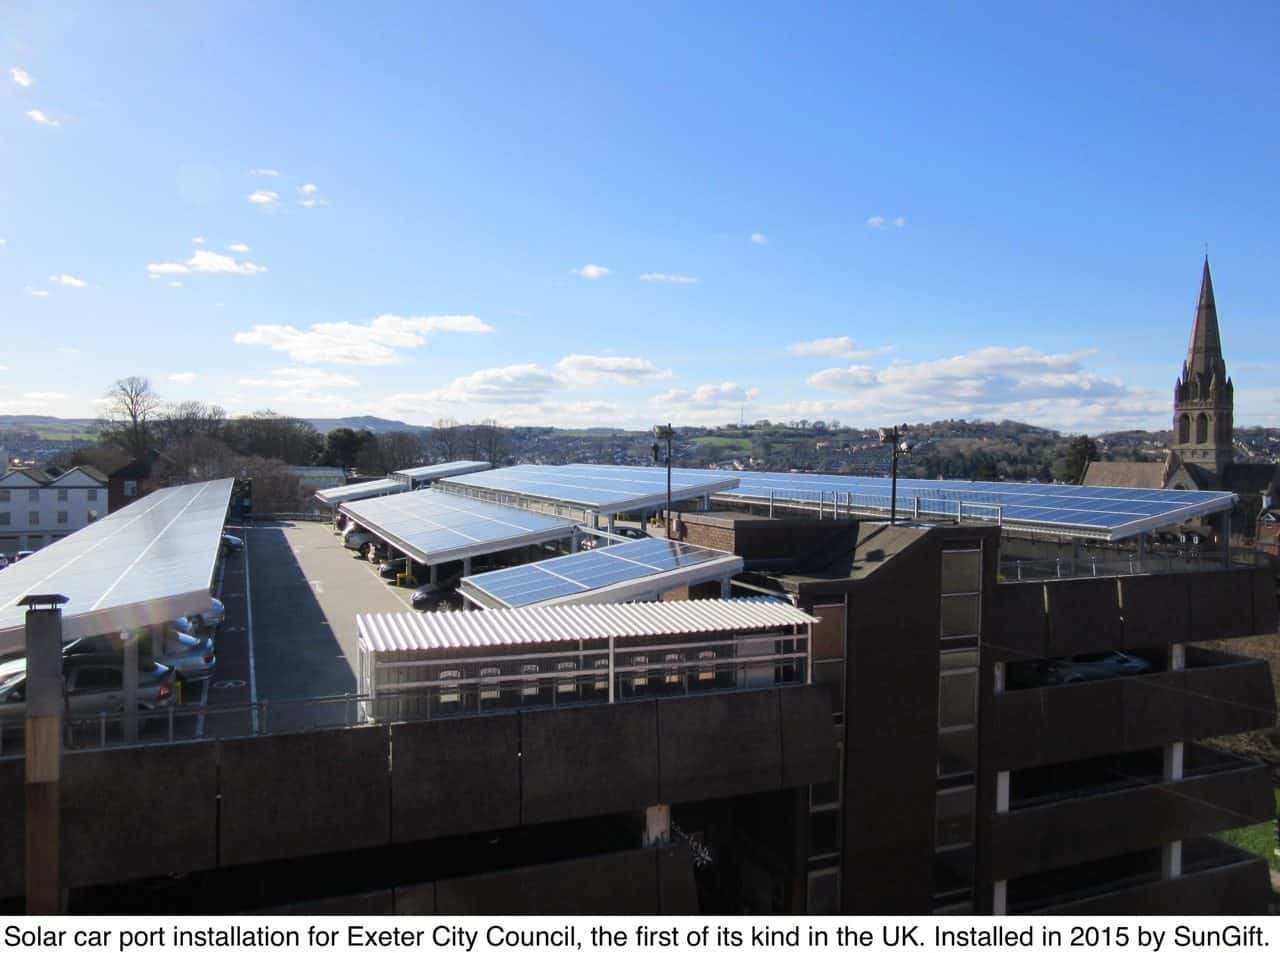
(147, 563)
(603, 489)
(360, 491)
(1104, 512)
(596, 569)
(435, 527)
(438, 471)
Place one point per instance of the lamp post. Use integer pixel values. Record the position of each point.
(664, 432)
(895, 438)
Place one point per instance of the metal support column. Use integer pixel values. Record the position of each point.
(43, 768)
(129, 686)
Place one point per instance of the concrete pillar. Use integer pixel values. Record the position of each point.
(466, 566)
(611, 521)
(1002, 792)
(1171, 860)
(433, 574)
(1000, 898)
(997, 678)
(657, 825)
(43, 767)
(574, 542)
(726, 588)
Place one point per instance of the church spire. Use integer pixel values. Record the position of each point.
(1204, 353)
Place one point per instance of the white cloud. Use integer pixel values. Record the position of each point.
(372, 345)
(674, 279)
(21, 77)
(175, 284)
(515, 384)
(44, 395)
(880, 221)
(707, 396)
(198, 240)
(759, 238)
(993, 383)
(309, 189)
(310, 196)
(306, 379)
(238, 247)
(37, 292)
(68, 281)
(269, 172)
(842, 346)
(38, 115)
(590, 272)
(845, 378)
(264, 198)
(586, 369)
(182, 377)
(206, 262)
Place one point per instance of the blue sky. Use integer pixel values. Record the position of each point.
(586, 215)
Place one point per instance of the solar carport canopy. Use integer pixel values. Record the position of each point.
(142, 565)
(1098, 512)
(437, 471)
(335, 496)
(434, 527)
(612, 574)
(590, 487)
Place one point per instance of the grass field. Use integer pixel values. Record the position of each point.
(1259, 839)
(736, 444)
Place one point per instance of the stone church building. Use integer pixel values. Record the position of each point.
(1201, 456)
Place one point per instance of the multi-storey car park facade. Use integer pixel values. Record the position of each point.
(912, 740)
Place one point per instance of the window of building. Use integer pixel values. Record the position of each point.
(4, 496)
(62, 516)
(33, 518)
(958, 689)
(129, 487)
(93, 494)
(568, 683)
(62, 495)
(954, 818)
(4, 519)
(673, 675)
(601, 666)
(33, 496)
(489, 690)
(707, 672)
(449, 691)
(529, 689)
(640, 680)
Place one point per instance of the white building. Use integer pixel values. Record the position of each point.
(37, 509)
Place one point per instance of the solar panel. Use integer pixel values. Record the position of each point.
(598, 569)
(145, 564)
(360, 491)
(437, 471)
(435, 527)
(602, 489)
(1105, 512)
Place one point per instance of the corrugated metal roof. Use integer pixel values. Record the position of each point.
(413, 631)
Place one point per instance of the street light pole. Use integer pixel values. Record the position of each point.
(661, 431)
(895, 437)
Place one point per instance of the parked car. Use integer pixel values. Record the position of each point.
(433, 595)
(191, 657)
(393, 567)
(1090, 668)
(4, 561)
(358, 539)
(630, 532)
(231, 545)
(23, 554)
(94, 682)
(208, 620)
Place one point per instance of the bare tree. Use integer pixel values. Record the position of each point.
(128, 415)
(489, 441)
(447, 438)
(189, 418)
(195, 458)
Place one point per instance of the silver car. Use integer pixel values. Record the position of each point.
(190, 656)
(93, 683)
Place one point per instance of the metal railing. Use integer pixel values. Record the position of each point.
(469, 694)
(1125, 564)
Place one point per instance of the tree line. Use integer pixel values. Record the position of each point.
(187, 441)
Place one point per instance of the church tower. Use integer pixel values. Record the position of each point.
(1204, 396)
